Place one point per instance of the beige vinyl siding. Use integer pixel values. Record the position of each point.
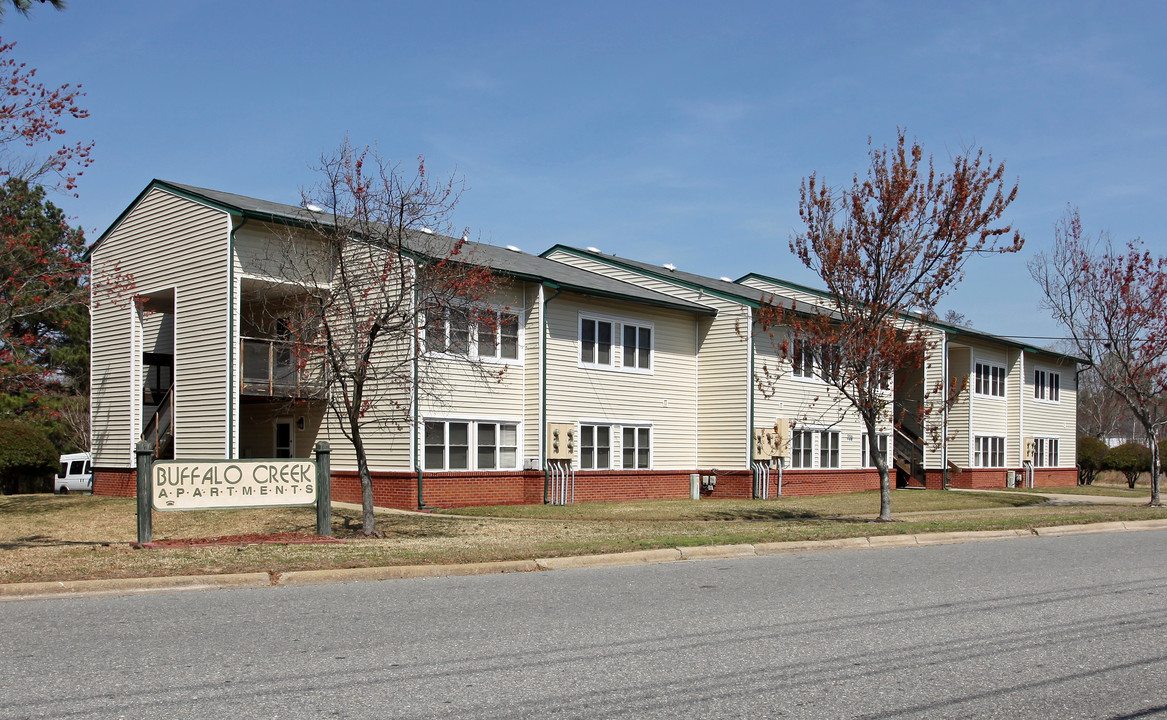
(487, 389)
(808, 403)
(665, 398)
(723, 382)
(960, 371)
(532, 371)
(164, 242)
(991, 415)
(809, 298)
(387, 421)
(1053, 419)
(934, 392)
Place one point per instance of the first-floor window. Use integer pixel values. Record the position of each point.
(880, 447)
(801, 449)
(595, 447)
(990, 451)
(828, 449)
(498, 446)
(1045, 452)
(636, 448)
(459, 444)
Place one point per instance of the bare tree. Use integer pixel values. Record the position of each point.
(1113, 302)
(888, 249)
(371, 266)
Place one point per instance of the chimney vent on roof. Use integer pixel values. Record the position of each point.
(670, 267)
(312, 208)
(592, 248)
(726, 279)
(427, 231)
(513, 248)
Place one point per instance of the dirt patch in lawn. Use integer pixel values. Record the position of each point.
(247, 539)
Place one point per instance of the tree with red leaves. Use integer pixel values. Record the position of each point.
(32, 119)
(1113, 302)
(888, 249)
(369, 272)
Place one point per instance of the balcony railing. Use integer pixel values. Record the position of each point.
(278, 368)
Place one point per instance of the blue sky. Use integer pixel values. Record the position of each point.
(667, 132)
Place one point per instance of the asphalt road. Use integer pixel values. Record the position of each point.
(1065, 627)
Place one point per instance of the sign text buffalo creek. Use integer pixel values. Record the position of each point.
(211, 484)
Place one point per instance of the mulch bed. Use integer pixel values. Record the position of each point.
(251, 539)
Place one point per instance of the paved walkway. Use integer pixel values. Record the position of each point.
(1055, 498)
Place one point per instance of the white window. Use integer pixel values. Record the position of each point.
(637, 347)
(1045, 452)
(595, 447)
(990, 379)
(466, 445)
(478, 333)
(801, 449)
(990, 451)
(613, 344)
(880, 447)
(801, 359)
(498, 446)
(1047, 385)
(828, 449)
(497, 335)
(595, 342)
(636, 448)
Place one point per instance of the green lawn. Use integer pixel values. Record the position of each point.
(49, 538)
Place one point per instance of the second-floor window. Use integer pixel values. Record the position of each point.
(478, 333)
(615, 344)
(990, 379)
(1047, 385)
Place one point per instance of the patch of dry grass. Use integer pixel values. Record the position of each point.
(45, 537)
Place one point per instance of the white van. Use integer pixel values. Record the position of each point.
(74, 474)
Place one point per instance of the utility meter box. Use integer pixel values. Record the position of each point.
(560, 441)
(781, 442)
(763, 447)
(1028, 449)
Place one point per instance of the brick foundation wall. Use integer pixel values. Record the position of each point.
(447, 490)
(115, 482)
(824, 482)
(994, 478)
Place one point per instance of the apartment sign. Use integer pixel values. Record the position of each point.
(223, 484)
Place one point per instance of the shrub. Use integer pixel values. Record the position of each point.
(1131, 459)
(27, 458)
(1091, 452)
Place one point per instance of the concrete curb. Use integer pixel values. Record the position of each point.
(638, 557)
(400, 572)
(128, 586)
(182, 583)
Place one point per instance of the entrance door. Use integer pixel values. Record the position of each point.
(284, 445)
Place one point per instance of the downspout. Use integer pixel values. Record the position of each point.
(543, 385)
(944, 414)
(232, 395)
(750, 389)
(416, 409)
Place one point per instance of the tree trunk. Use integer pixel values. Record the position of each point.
(368, 521)
(1154, 467)
(880, 460)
